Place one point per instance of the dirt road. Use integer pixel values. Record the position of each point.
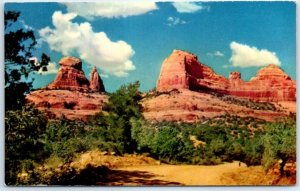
(224, 174)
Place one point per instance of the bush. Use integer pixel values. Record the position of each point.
(64, 138)
(280, 144)
(123, 105)
(69, 105)
(254, 149)
(223, 139)
(171, 144)
(165, 141)
(24, 141)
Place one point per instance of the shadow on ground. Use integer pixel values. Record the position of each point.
(104, 176)
(123, 177)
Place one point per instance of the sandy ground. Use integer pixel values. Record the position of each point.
(224, 174)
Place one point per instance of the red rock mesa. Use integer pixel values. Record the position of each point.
(182, 70)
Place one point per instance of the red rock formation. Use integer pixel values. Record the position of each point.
(269, 84)
(96, 83)
(70, 76)
(71, 94)
(71, 104)
(191, 106)
(182, 70)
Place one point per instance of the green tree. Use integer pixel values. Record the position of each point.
(19, 44)
(63, 138)
(123, 105)
(24, 140)
(179, 142)
(143, 133)
(280, 144)
(254, 149)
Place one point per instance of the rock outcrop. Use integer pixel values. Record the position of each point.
(71, 94)
(71, 104)
(70, 76)
(270, 84)
(182, 70)
(190, 106)
(96, 83)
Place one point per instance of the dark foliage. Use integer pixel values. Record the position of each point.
(220, 141)
(123, 105)
(19, 45)
(24, 145)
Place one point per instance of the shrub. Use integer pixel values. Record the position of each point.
(64, 138)
(280, 144)
(24, 133)
(172, 145)
(123, 105)
(254, 149)
(69, 105)
(165, 141)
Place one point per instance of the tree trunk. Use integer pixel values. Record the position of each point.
(282, 164)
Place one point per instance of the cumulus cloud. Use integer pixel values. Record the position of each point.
(51, 69)
(172, 21)
(216, 53)
(95, 48)
(90, 10)
(189, 7)
(246, 56)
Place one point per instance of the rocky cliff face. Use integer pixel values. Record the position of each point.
(190, 91)
(182, 70)
(71, 94)
(70, 76)
(270, 84)
(96, 83)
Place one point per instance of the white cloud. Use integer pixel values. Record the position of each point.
(246, 56)
(227, 66)
(94, 48)
(189, 7)
(89, 10)
(172, 21)
(39, 43)
(216, 53)
(104, 75)
(25, 26)
(51, 69)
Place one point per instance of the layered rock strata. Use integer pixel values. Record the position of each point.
(70, 76)
(182, 70)
(71, 94)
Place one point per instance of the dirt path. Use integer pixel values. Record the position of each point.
(177, 175)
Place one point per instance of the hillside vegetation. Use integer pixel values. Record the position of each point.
(39, 151)
(34, 143)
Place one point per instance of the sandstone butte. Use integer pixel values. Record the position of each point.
(189, 91)
(71, 94)
(182, 70)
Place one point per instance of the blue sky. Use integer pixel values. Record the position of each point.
(129, 42)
